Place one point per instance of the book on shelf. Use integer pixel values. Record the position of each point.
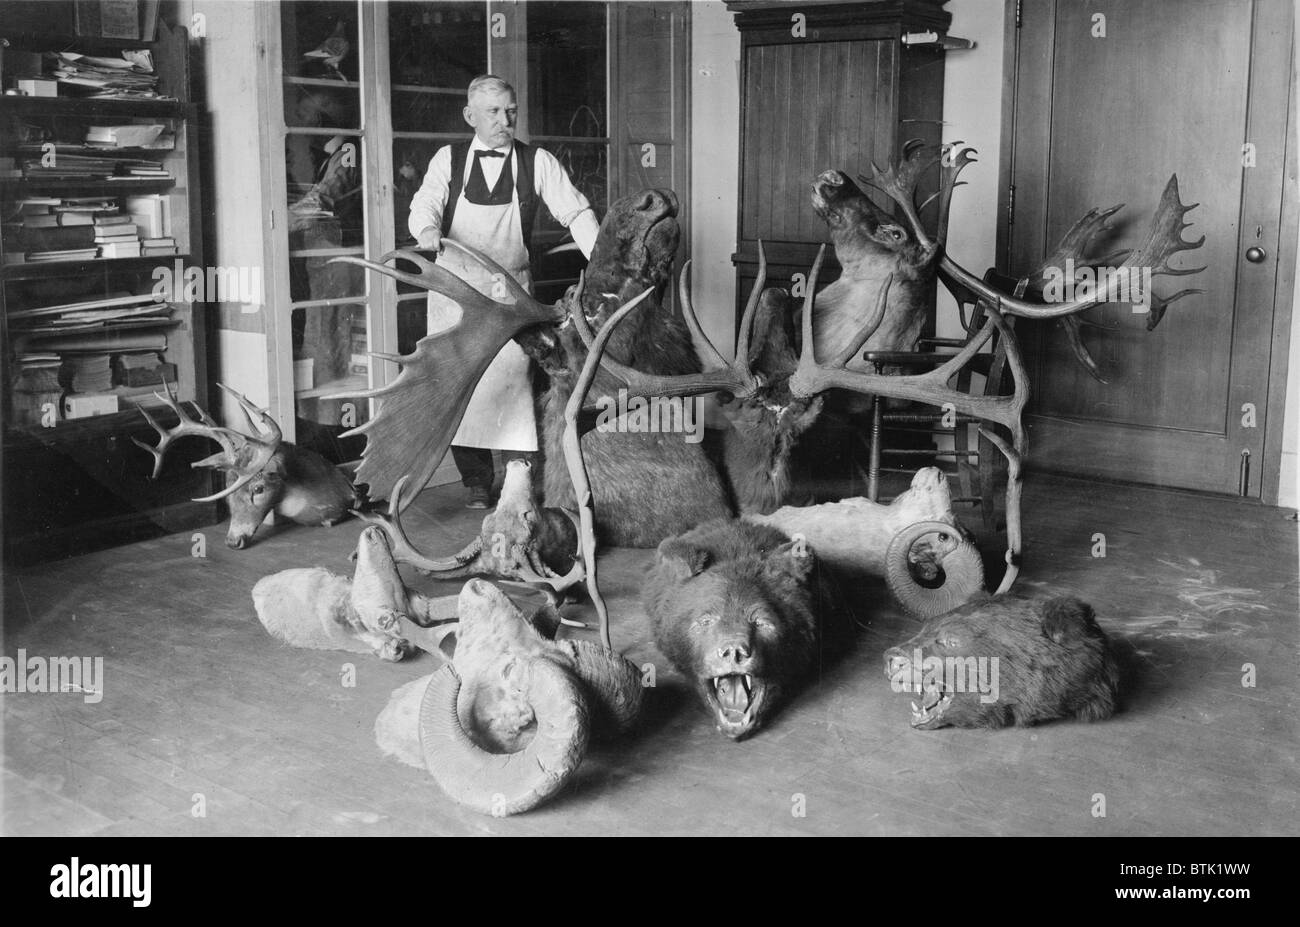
(158, 243)
(59, 238)
(151, 213)
(86, 373)
(72, 254)
(110, 219)
(108, 341)
(57, 219)
(142, 370)
(113, 300)
(121, 249)
(125, 136)
(116, 233)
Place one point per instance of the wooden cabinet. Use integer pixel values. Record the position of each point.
(824, 86)
(75, 483)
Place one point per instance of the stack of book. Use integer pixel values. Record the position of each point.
(68, 166)
(142, 369)
(130, 76)
(117, 236)
(71, 229)
(35, 388)
(86, 373)
(92, 347)
(133, 135)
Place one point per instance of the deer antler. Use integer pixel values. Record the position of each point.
(241, 454)
(736, 378)
(202, 427)
(441, 373)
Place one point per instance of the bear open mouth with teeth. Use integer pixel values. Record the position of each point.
(734, 608)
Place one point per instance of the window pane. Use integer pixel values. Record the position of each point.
(566, 69)
(436, 44)
(329, 354)
(320, 60)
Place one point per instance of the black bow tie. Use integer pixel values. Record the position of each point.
(489, 154)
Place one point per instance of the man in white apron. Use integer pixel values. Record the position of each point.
(484, 193)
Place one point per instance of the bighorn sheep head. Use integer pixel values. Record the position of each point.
(505, 725)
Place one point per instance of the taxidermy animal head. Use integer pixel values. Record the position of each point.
(505, 725)
(263, 471)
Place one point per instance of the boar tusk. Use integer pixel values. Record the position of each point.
(963, 572)
(506, 783)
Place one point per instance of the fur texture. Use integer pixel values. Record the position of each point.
(645, 486)
(734, 606)
(1053, 661)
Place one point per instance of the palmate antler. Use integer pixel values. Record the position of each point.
(440, 374)
(245, 455)
(1163, 241)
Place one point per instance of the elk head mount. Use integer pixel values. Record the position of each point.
(264, 472)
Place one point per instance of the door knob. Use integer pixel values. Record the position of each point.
(1255, 254)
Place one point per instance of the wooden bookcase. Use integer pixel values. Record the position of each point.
(77, 484)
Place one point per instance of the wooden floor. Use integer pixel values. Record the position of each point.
(199, 701)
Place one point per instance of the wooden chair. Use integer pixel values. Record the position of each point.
(978, 463)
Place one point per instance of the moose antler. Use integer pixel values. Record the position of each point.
(241, 454)
(441, 373)
(1163, 241)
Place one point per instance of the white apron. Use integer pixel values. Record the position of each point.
(500, 413)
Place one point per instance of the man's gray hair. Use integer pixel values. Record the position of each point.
(488, 83)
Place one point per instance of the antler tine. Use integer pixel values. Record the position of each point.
(432, 277)
(578, 314)
(518, 292)
(806, 352)
(1163, 241)
(746, 332)
(1074, 337)
(1161, 303)
(869, 327)
(693, 321)
(273, 434)
(399, 543)
(202, 427)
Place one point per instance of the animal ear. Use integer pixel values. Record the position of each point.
(794, 559)
(683, 557)
(1066, 619)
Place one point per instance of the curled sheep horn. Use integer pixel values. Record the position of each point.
(506, 724)
(612, 683)
(963, 570)
(506, 783)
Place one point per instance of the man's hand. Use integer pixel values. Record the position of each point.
(430, 240)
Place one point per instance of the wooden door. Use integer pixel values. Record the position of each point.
(1110, 98)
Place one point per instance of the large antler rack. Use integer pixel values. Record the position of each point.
(245, 455)
(440, 373)
(736, 377)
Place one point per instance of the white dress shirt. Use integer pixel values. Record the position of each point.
(550, 181)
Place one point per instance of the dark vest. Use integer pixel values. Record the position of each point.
(523, 176)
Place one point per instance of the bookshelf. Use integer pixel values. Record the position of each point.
(74, 375)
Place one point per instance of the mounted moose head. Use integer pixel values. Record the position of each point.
(263, 471)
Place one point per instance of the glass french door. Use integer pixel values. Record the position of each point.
(357, 129)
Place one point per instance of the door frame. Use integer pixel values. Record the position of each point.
(1272, 46)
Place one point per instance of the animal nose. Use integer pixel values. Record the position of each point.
(895, 661)
(734, 652)
(236, 543)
